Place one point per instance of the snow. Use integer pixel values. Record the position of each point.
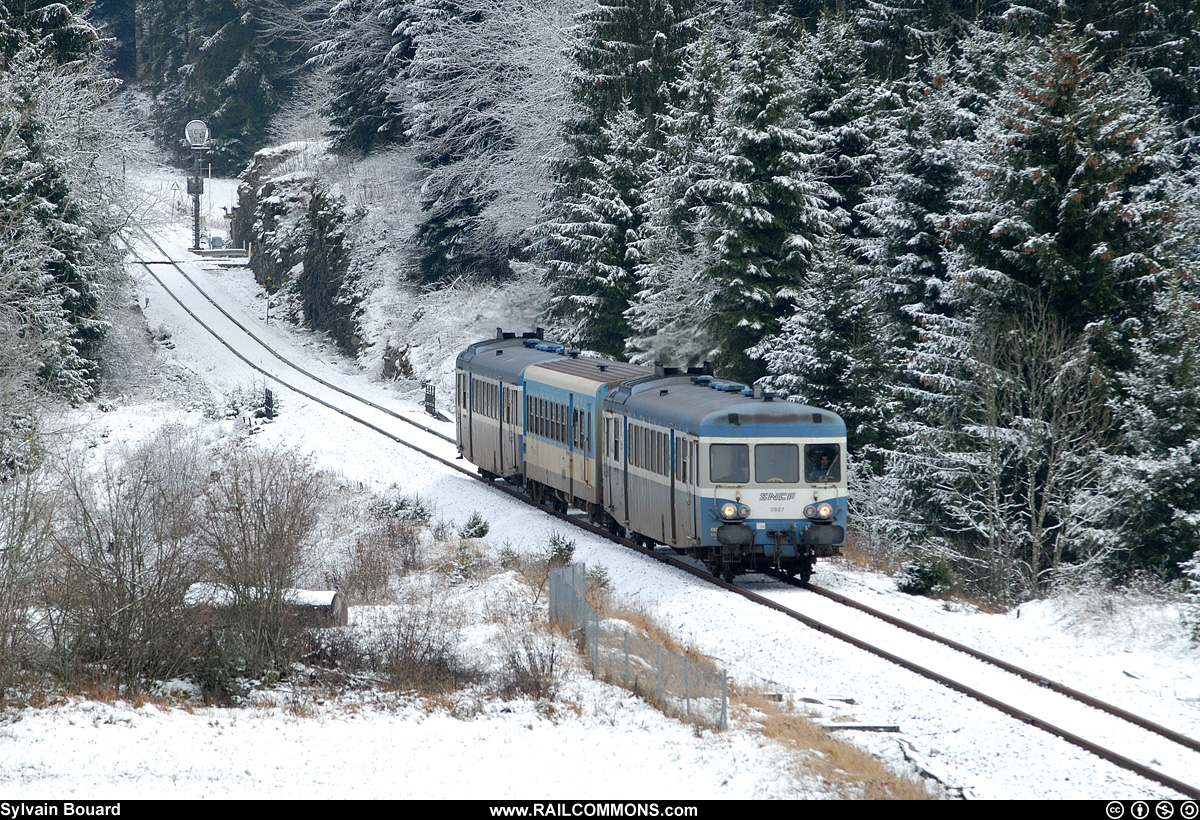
(594, 740)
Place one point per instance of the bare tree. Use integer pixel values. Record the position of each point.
(1034, 422)
(26, 524)
(124, 558)
(260, 510)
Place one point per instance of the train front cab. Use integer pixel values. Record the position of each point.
(737, 482)
(772, 502)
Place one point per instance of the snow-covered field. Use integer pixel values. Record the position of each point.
(603, 743)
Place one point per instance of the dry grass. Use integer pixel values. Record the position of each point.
(857, 554)
(641, 621)
(850, 771)
(104, 691)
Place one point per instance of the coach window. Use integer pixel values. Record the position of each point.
(729, 463)
(822, 463)
(777, 463)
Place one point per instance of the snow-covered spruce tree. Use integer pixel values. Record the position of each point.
(225, 62)
(1152, 482)
(766, 208)
(1161, 39)
(841, 103)
(485, 79)
(1002, 471)
(626, 57)
(834, 351)
(1060, 232)
(366, 48)
(55, 206)
(668, 313)
(628, 54)
(903, 211)
(591, 269)
(1065, 193)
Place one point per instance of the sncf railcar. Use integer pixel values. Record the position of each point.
(718, 471)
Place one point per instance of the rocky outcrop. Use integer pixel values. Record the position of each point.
(295, 231)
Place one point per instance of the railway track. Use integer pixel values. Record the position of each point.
(371, 415)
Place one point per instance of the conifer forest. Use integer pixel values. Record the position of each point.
(972, 229)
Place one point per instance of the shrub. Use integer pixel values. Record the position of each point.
(124, 558)
(926, 574)
(403, 507)
(476, 526)
(418, 647)
(530, 666)
(560, 551)
(260, 511)
(1191, 611)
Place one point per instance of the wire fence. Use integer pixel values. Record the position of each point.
(680, 686)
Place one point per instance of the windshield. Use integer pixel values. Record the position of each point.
(729, 463)
(822, 463)
(776, 463)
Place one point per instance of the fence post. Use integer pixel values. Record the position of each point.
(687, 686)
(596, 649)
(658, 669)
(724, 700)
(627, 658)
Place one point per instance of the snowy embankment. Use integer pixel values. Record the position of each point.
(597, 741)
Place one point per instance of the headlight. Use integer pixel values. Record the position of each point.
(744, 511)
(729, 511)
(821, 511)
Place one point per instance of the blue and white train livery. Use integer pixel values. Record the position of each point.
(718, 471)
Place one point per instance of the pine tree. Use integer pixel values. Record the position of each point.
(834, 350)
(1065, 193)
(367, 52)
(669, 310)
(593, 254)
(767, 208)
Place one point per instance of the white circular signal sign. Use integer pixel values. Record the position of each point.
(197, 133)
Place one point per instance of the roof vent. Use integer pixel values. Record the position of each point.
(662, 392)
(818, 418)
(733, 419)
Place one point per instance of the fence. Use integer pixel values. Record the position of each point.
(680, 686)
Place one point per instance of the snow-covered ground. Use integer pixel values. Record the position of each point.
(607, 744)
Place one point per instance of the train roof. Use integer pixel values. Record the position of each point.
(507, 356)
(585, 374)
(712, 407)
(694, 401)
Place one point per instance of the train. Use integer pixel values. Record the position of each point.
(727, 474)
